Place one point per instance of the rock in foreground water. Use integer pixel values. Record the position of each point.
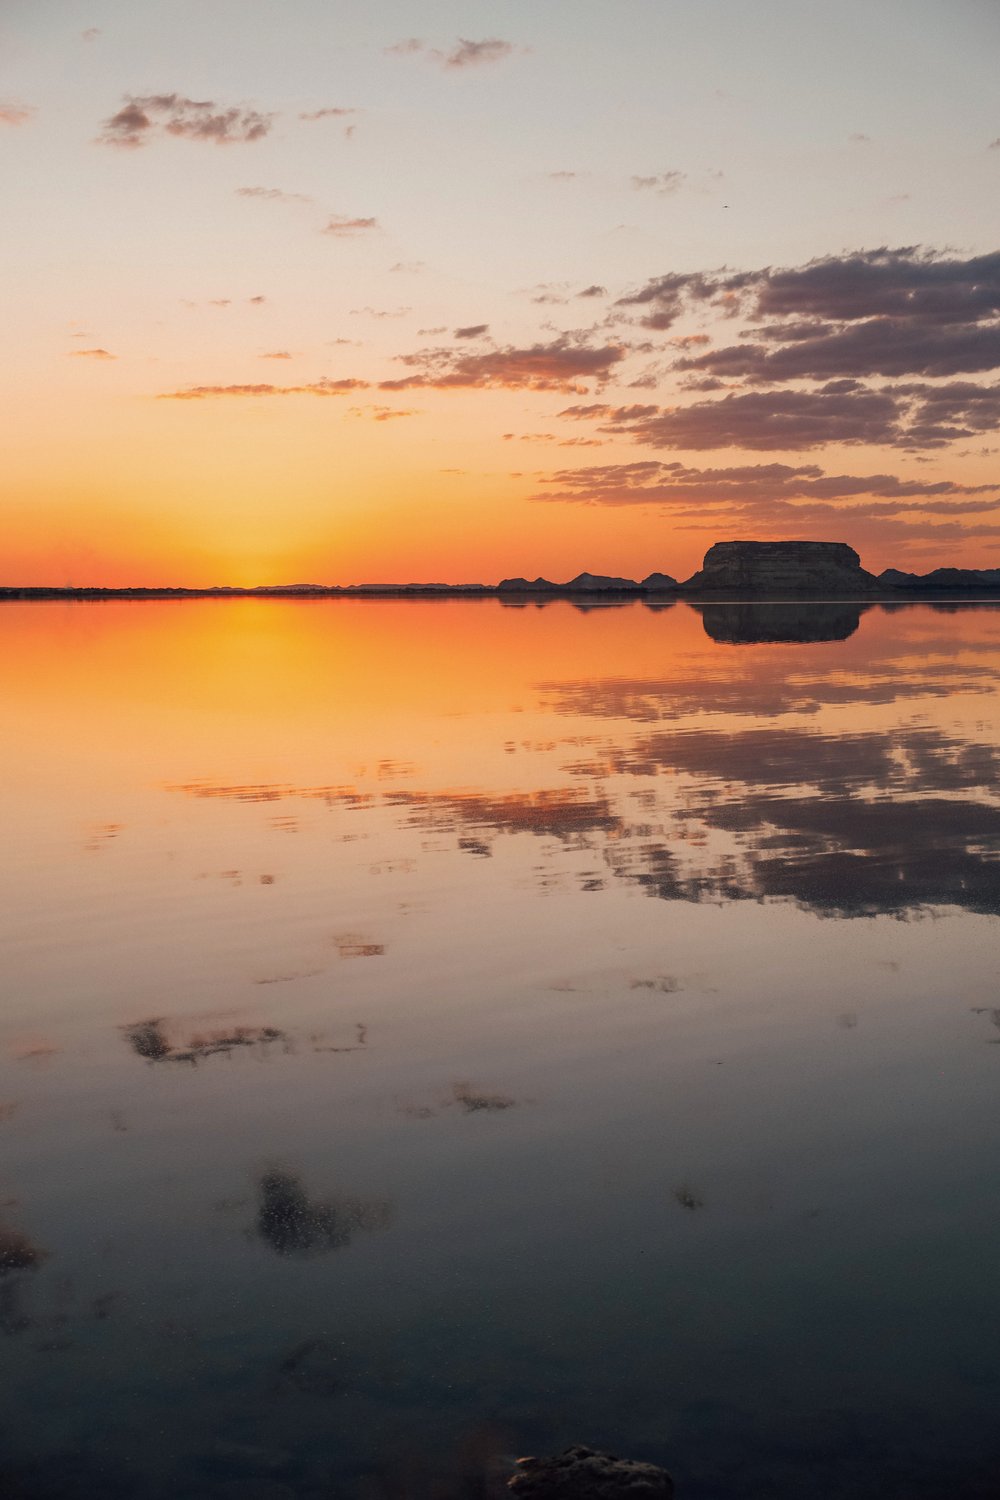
(587, 1474)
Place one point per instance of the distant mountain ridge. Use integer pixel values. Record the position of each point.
(801, 570)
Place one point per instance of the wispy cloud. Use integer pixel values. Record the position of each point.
(343, 226)
(16, 114)
(322, 387)
(562, 365)
(331, 112)
(275, 354)
(382, 413)
(473, 331)
(464, 54)
(652, 482)
(272, 195)
(140, 117)
(91, 354)
(662, 183)
(380, 312)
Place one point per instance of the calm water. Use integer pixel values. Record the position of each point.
(437, 1031)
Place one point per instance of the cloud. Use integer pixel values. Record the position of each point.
(662, 183)
(344, 227)
(911, 416)
(464, 54)
(562, 365)
(91, 34)
(257, 301)
(562, 176)
(994, 145)
(381, 312)
(16, 114)
(332, 112)
(593, 291)
(272, 195)
(848, 305)
(757, 420)
(875, 346)
(276, 354)
(322, 387)
(473, 331)
(91, 354)
(196, 119)
(383, 413)
(770, 486)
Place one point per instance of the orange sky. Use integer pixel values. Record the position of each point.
(434, 295)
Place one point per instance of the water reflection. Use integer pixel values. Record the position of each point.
(747, 624)
(17, 1253)
(292, 1223)
(682, 1170)
(148, 1039)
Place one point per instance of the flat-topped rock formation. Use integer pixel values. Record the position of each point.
(815, 569)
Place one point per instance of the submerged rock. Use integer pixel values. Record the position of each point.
(815, 569)
(587, 1474)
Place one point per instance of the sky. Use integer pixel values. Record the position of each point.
(324, 291)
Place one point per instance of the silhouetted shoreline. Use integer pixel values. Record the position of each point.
(797, 571)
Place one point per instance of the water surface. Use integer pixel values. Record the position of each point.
(433, 1031)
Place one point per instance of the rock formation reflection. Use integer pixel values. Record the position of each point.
(752, 623)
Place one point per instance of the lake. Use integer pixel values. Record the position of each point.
(439, 1031)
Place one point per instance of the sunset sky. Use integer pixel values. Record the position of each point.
(331, 291)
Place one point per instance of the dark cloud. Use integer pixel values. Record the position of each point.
(593, 291)
(876, 346)
(315, 388)
(784, 420)
(273, 195)
(663, 183)
(562, 365)
(904, 311)
(196, 119)
(473, 331)
(345, 227)
(910, 416)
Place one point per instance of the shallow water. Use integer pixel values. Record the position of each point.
(433, 1031)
